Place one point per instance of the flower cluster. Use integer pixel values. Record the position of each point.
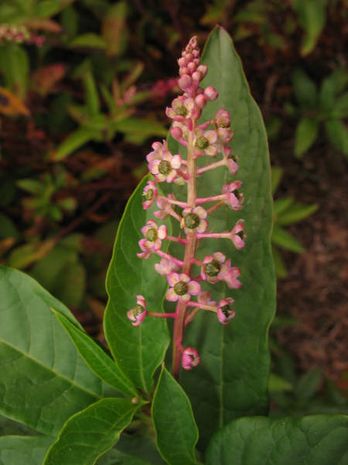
(188, 276)
(19, 34)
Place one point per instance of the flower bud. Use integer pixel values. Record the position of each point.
(138, 313)
(190, 358)
(211, 93)
(225, 313)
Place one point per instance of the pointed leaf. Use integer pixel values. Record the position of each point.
(305, 89)
(312, 440)
(138, 351)
(295, 213)
(305, 135)
(46, 379)
(73, 142)
(231, 382)
(174, 423)
(20, 450)
(90, 433)
(95, 357)
(338, 135)
(283, 239)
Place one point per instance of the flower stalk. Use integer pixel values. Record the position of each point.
(209, 139)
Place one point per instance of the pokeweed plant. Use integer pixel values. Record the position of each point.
(186, 223)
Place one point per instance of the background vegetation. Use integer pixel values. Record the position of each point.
(83, 85)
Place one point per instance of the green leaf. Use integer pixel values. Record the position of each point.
(137, 130)
(115, 457)
(332, 86)
(296, 212)
(283, 239)
(278, 384)
(91, 94)
(139, 351)
(7, 227)
(231, 382)
(305, 89)
(23, 450)
(90, 433)
(279, 263)
(276, 175)
(312, 17)
(88, 40)
(14, 65)
(46, 379)
(95, 357)
(281, 205)
(175, 426)
(312, 440)
(340, 108)
(47, 8)
(73, 142)
(338, 135)
(309, 384)
(306, 133)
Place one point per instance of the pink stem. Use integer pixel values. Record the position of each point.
(162, 315)
(169, 257)
(180, 240)
(211, 198)
(225, 235)
(212, 166)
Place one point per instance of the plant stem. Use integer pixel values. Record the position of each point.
(190, 248)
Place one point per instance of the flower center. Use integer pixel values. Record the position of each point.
(148, 195)
(213, 268)
(192, 220)
(181, 110)
(164, 167)
(181, 288)
(202, 143)
(226, 310)
(136, 311)
(151, 234)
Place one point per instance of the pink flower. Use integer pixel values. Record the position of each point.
(159, 149)
(150, 193)
(222, 119)
(217, 268)
(165, 207)
(205, 299)
(211, 93)
(232, 164)
(165, 169)
(237, 235)
(190, 358)
(225, 313)
(233, 199)
(182, 108)
(138, 313)
(153, 236)
(194, 219)
(165, 266)
(206, 142)
(181, 287)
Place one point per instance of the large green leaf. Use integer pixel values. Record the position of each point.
(23, 450)
(90, 433)
(232, 378)
(95, 357)
(115, 457)
(138, 351)
(312, 440)
(46, 379)
(177, 433)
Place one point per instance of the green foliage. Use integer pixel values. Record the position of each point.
(139, 351)
(312, 440)
(326, 105)
(175, 426)
(90, 433)
(19, 450)
(286, 211)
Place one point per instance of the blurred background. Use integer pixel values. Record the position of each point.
(83, 87)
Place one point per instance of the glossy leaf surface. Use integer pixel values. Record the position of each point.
(138, 351)
(23, 450)
(46, 379)
(232, 378)
(174, 423)
(312, 440)
(95, 357)
(90, 433)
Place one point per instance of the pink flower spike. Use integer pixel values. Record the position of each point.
(181, 287)
(190, 358)
(225, 313)
(150, 193)
(138, 313)
(233, 198)
(166, 266)
(194, 219)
